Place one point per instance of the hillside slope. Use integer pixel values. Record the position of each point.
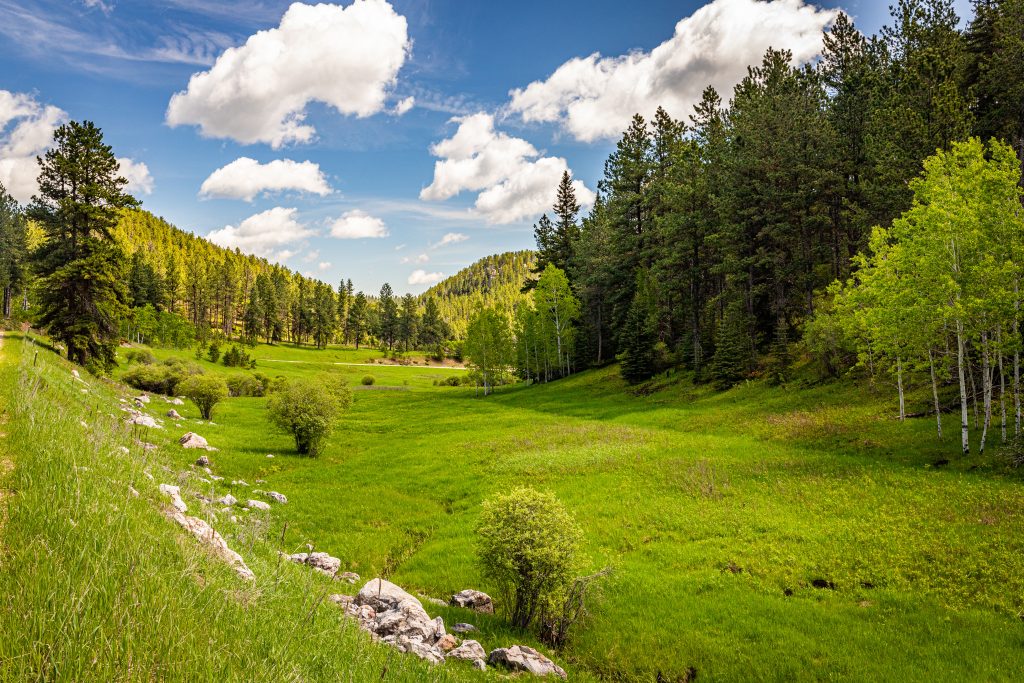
(495, 280)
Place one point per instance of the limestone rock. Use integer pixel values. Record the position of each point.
(470, 650)
(276, 497)
(208, 536)
(174, 493)
(479, 665)
(227, 499)
(463, 628)
(446, 642)
(203, 461)
(193, 440)
(144, 421)
(142, 398)
(257, 504)
(173, 414)
(474, 600)
(322, 562)
(175, 401)
(524, 658)
(348, 577)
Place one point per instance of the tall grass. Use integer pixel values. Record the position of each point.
(97, 585)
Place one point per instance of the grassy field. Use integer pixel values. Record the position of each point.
(756, 534)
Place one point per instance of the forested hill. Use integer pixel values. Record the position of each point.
(493, 281)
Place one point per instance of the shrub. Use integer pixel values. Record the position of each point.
(206, 391)
(245, 385)
(369, 380)
(527, 546)
(237, 358)
(307, 410)
(160, 379)
(213, 353)
(140, 356)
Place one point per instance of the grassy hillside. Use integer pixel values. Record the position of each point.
(757, 534)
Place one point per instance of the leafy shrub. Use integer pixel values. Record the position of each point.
(527, 546)
(245, 385)
(307, 410)
(237, 358)
(163, 378)
(140, 356)
(213, 352)
(369, 380)
(205, 391)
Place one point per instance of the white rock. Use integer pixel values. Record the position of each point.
(175, 401)
(523, 658)
(227, 499)
(209, 537)
(269, 455)
(277, 497)
(322, 562)
(474, 600)
(238, 482)
(257, 504)
(144, 420)
(143, 398)
(173, 414)
(174, 493)
(469, 650)
(193, 440)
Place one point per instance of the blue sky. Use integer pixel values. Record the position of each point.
(378, 141)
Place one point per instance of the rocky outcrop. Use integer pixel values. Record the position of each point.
(399, 620)
(474, 600)
(523, 658)
(322, 562)
(209, 537)
(193, 440)
(470, 650)
(174, 493)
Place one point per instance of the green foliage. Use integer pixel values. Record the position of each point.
(213, 351)
(637, 339)
(13, 251)
(163, 378)
(140, 356)
(81, 271)
(246, 385)
(528, 546)
(368, 380)
(308, 410)
(237, 358)
(205, 391)
(488, 348)
(731, 361)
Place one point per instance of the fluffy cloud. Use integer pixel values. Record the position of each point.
(244, 178)
(419, 258)
(422, 277)
(594, 97)
(264, 234)
(356, 224)
(26, 130)
(324, 265)
(513, 180)
(403, 106)
(137, 175)
(346, 57)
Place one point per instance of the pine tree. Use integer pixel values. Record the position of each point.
(408, 321)
(731, 361)
(637, 340)
(81, 269)
(13, 250)
(387, 321)
(357, 318)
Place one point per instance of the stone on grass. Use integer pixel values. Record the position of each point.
(469, 650)
(399, 620)
(227, 499)
(175, 401)
(322, 562)
(173, 414)
(142, 398)
(144, 421)
(257, 504)
(446, 642)
(479, 665)
(276, 497)
(474, 600)
(203, 461)
(348, 577)
(463, 628)
(174, 493)
(193, 440)
(524, 658)
(208, 536)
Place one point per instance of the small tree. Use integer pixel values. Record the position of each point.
(528, 546)
(307, 410)
(205, 391)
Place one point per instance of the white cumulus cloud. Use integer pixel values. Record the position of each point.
(137, 174)
(513, 180)
(594, 97)
(356, 224)
(244, 178)
(26, 131)
(422, 277)
(264, 234)
(419, 258)
(450, 238)
(345, 57)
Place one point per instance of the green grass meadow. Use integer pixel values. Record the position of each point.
(768, 534)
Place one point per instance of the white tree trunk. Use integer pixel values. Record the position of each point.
(986, 389)
(964, 420)
(935, 394)
(899, 387)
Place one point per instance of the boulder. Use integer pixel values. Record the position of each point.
(446, 642)
(203, 461)
(439, 631)
(276, 497)
(143, 398)
(479, 665)
(209, 537)
(322, 562)
(257, 504)
(193, 440)
(173, 414)
(227, 499)
(524, 658)
(74, 373)
(470, 650)
(398, 613)
(463, 628)
(174, 493)
(144, 421)
(175, 401)
(474, 600)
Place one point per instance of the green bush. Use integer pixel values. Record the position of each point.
(160, 379)
(245, 385)
(213, 352)
(140, 356)
(369, 380)
(206, 391)
(307, 410)
(237, 358)
(528, 547)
